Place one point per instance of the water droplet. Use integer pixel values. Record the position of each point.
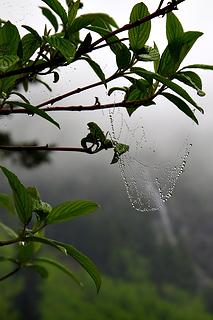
(148, 184)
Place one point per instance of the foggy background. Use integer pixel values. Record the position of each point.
(187, 216)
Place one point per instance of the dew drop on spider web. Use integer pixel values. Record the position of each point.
(149, 177)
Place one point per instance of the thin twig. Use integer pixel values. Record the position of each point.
(70, 93)
(40, 148)
(10, 273)
(159, 12)
(33, 68)
(7, 242)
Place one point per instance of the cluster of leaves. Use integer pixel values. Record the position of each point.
(96, 141)
(146, 85)
(23, 60)
(34, 215)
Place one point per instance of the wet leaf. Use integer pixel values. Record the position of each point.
(70, 209)
(139, 35)
(58, 9)
(22, 199)
(181, 105)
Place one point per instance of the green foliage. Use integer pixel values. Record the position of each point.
(118, 299)
(34, 215)
(65, 46)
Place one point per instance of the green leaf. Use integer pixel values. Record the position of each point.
(7, 61)
(42, 209)
(9, 39)
(156, 62)
(6, 202)
(139, 35)
(96, 131)
(49, 242)
(123, 54)
(119, 149)
(66, 48)
(189, 39)
(175, 33)
(58, 9)
(33, 32)
(51, 17)
(46, 85)
(167, 65)
(174, 29)
(96, 68)
(30, 44)
(42, 271)
(111, 90)
(191, 79)
(70, 209)
(148, 54)
(141, 84)
(132, 94)
(59, 266)
(84, 46)
(93, 19)
(10, 232)
(168, 83)
(7, 84)
(34, 110)
(170, 60)
(199, 66)
(181, 105)
(33, 191)
(20, 95)
(22, 199)
(140, 90)
(72, 12)
(140, 72)
(83, 260)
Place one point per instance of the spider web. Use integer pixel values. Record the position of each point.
(149, 177)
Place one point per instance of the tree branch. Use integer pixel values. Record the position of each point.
(159, 12)
(40, 148)
(34, 68)
(8, 242)
(71, 93)
(121, 104)
(10, 273)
